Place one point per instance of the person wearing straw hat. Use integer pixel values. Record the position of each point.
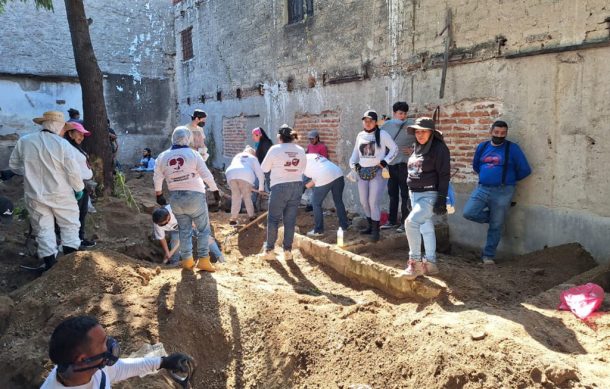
(52, 185)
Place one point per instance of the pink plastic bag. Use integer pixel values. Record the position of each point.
(582, 300)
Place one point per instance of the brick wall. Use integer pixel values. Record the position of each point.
(464, 125)
(235, 135)
(327, 124)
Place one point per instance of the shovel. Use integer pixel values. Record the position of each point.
(253, 222)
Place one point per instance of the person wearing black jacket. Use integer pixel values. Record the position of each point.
(428, 181)
(262, 144)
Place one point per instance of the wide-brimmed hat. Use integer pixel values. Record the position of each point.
(423, 123)
(76, 126)
(50, 116)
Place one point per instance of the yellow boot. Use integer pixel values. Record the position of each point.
(188, 263)
(205, 265)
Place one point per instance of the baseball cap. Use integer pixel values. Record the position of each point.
(312, 134)
(199, 113)
(78, 127)
(370, 114)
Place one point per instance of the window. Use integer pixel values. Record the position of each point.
(187, 43)
(297, 9)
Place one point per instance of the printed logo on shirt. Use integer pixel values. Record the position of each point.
(415, 165)
(492, 160)
(367, 150)
(292, 161)
(176, 162)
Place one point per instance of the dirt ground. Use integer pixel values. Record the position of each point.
(286, 324)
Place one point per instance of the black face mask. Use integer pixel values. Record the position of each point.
(498, 140)
(201, 124)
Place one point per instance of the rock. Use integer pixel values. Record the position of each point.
(536, 375)
(478, 335)
(537, 271)
(560, 375)
(6, 307)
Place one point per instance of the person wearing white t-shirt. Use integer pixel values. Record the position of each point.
(286, 162)
(185, 172)
(86, 358)
(241, 174)
(373, 150)
(325, 177)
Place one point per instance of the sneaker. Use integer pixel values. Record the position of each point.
(287, 255)
(314, 233)
(233, 223)
(401, 229)
(430, 268)
(388, 226)
(488, 261)
(267, 255)
(87, 243)
(414, 269)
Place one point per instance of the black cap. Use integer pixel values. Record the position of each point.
(159, 215)
(199, 113)
(370, 114)
(72, 111)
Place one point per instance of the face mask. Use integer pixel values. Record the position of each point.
(498, 140)
(201, 124)
(53, 126)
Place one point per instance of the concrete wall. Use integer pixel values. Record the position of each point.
(134, 46)
(355, 55)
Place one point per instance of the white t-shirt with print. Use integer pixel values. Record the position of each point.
(182, 169)
(159, 231)
(321, 170)
(367, 153)
(286, 162)
(245, 166)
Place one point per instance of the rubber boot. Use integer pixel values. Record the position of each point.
(69, 250)
(375, 231)
(49, 262)
(369, 229)
(188, 263)
(205, 265)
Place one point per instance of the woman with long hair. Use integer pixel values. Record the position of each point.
(373, 149)
(75, 136)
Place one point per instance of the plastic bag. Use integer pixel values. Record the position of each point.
(582, 300)
(450, 200)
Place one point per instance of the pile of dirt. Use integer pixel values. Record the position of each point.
(295, 323)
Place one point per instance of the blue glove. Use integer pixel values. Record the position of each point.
(78, 195)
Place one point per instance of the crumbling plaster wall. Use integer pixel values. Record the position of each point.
(355, 55)
(134, 46)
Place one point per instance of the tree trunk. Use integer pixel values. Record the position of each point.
(92, 86)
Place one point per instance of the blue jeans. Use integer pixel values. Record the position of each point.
(319, 193)
(190, 207)
(283, 205)
(174, 239)
(489, 204)
(215, 252)
(419, 223)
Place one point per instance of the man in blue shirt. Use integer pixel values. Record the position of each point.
(499, 164)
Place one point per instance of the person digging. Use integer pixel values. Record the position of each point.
(185, 172)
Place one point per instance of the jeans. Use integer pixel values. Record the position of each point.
(419, 223)
(174, 239)
(267, 187)
(215, 253)
(83, 209)
(319, 193)
(190, 207)
(241, 190)
(398, 184)
(283, 205)
(370, 193)
(489, 204)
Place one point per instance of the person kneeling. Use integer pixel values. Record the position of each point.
(85, 357)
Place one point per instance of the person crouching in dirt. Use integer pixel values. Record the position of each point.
(428, 181)
(184, 171)
(325, 177)
(373, 150)
(241, 174)
(286, 162)
(53, 185)
(87, 358)
(166, 225)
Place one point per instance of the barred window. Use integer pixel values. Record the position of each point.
(187, 43)
(297, 9)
